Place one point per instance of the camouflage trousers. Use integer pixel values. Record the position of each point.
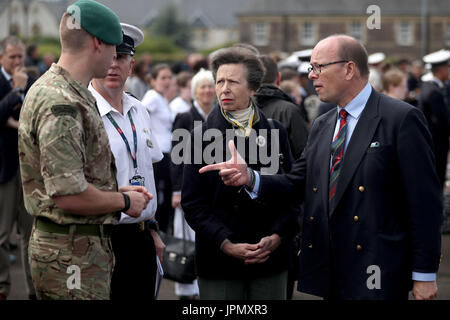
(70, 266)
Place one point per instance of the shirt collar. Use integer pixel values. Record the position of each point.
(356, 106)
(103, 105)
(438, 82)
(199, 110)
(6, 74)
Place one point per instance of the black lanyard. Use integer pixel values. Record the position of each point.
(133, 128)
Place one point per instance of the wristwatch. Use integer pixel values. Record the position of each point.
(154, 225)
(127, 202)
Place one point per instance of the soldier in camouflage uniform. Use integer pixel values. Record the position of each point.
(67, 168)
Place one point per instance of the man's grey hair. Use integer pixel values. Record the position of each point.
(11, 41)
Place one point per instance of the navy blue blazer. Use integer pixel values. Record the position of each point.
(10, 104)
(388, 206)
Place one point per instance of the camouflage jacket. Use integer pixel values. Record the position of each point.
(63, 146)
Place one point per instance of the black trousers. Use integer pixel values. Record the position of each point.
(134, 272)
(164, 212)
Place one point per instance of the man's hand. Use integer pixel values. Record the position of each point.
(159, 244)
(425, 290)
(234, 172)
(176, 200)
(266, 246)
(20, 78)
(12, 123)
(138, 202)
(238, 250)
(137, 189)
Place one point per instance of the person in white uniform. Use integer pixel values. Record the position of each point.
(183, 102)
(161, 117)
(135, 241)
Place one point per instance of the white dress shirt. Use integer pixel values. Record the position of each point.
(161, 118)
(8, 78)
(146, 155)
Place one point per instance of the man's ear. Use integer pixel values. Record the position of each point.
(97, 43)
(130, 72)
(351, 70)
(278, 81)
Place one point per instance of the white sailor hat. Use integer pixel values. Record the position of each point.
(439, 57)
(132, 37)
(377, 57)
(303, 68)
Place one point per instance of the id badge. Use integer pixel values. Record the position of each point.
(137, 180)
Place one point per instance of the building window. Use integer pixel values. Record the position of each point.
(307, 33)
(36, 29)
(405, 33)
(355, 29)
(447, 34)
(204, 36)
(14, 29)
(260, 34)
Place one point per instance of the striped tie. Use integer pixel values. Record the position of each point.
(337, 153)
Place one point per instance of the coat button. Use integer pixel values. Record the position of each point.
(361, 188)
(315, 189)
(355, 218)
(358, 247)
(310, 246)
(311, 218)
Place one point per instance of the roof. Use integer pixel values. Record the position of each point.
(343, 7)
(219, 13)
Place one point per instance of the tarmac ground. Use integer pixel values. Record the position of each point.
(167, 291)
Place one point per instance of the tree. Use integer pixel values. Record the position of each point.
(169, 25)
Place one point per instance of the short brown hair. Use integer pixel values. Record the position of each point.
(72, 39)
(351, 49)
(10, 41)
(183, 78)
(157, 69)
(237, 55)
(392, 77)
(270, 76)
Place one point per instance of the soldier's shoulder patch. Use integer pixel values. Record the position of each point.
(64, 110)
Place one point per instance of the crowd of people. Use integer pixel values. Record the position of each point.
(87, 171)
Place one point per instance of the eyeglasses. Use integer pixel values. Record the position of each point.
(317, 68)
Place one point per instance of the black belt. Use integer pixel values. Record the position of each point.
(47, 225)
(134, 227)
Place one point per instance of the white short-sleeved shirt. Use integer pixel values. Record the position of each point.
(147, 147)
(178, 105)
(161, 118)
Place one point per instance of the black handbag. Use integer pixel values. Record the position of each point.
(179, 258)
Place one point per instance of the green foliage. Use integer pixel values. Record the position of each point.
(46, 45)
(155, 44)
(168, 25)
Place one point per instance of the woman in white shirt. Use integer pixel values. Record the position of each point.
(183, 102)
(161, 118)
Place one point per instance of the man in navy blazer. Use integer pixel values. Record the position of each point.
(378, 235)
(14, 83)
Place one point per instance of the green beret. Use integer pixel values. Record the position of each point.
(98, 20)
